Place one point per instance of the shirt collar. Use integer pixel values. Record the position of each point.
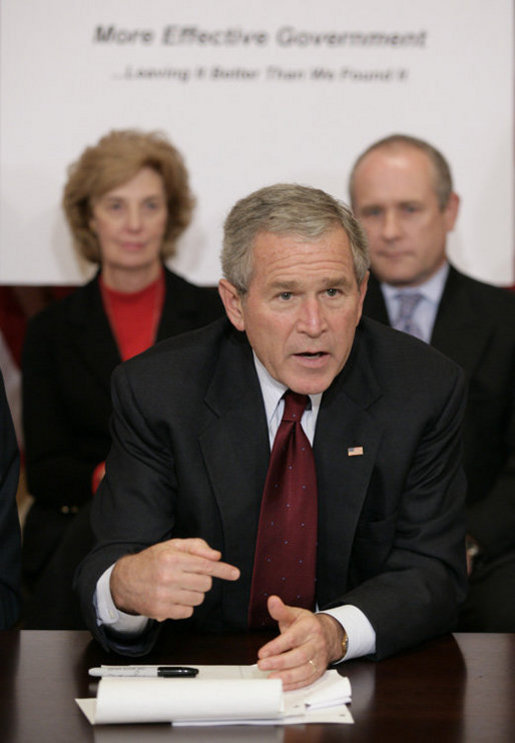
(432, 289)
(272, 390)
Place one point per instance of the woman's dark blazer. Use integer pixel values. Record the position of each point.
(10, 547)
(68, 357)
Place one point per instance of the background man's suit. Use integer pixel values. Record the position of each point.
(190, 455)
(475, 326)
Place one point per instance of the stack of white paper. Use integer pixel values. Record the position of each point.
(219, 695)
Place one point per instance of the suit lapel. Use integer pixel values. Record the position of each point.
(346, 442)
(178, 309)
(456, 321)
(236, 450)
(91, 334)
(374, 305)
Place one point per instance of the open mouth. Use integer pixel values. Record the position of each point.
(311, 354)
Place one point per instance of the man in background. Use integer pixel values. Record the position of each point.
(401, 190)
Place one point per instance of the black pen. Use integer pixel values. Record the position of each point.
(145, 671)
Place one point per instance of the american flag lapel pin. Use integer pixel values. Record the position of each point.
(355, 451)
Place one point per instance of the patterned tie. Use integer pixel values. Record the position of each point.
(285, 557)
(405, 321)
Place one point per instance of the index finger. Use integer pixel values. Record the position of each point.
(223, 570)
(196, 556)
(192, 563)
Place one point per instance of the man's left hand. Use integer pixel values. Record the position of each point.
(307, 644)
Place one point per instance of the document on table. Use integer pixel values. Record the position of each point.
(219, 695)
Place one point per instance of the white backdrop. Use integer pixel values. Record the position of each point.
(252, 93)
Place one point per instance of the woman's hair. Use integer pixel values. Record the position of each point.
(117, 158)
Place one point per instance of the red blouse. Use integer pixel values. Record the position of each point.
(134, 319)
(134, 316)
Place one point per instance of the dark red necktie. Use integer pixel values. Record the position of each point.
(285, 557)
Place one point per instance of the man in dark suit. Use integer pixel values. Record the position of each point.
(401, 189)
(195, 418)
(10, 543)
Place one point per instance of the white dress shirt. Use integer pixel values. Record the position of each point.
(361, 634)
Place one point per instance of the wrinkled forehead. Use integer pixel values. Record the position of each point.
(292, 255)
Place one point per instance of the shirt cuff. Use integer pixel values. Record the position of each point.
(361, 634)
(109, 614)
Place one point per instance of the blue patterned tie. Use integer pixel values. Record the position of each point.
(405, 321)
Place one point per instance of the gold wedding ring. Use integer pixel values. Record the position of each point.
(312, 663)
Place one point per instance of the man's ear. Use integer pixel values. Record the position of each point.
(451, 211)
(232, 302)
(362, 292)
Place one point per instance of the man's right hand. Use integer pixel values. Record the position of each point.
(167, 580)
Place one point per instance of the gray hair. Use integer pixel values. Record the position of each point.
(286, 209)
(442, 173)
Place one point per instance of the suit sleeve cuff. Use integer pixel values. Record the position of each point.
(361, 634)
